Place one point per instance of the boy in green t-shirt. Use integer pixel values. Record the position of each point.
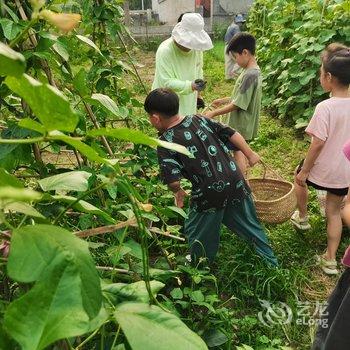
(244, 105)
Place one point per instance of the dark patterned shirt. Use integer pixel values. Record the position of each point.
(215, 177)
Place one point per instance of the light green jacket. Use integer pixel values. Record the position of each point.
(176, 69)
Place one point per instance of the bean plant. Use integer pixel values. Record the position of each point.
(291, 35)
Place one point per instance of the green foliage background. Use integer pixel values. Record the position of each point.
(291, 35)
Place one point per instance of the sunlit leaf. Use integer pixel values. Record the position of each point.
(50, 106)
(86, 40)
(61, 50)
(107, 103)
(153, 326)
(33, 250)
(69, 181)
(11, 62)
(23, 208)
(80, 146)
(32, 125)
(136, 136)
(7, 179)
(19, 194)
(81, 205)
(178, 210)
(136, 291)
(51, 310)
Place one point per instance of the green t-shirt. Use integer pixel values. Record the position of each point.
(246, 96)
(176, 70)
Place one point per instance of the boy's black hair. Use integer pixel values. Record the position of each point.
(242, 41)
(336, 60)
(162, 101)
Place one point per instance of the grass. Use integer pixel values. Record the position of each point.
(239, 272)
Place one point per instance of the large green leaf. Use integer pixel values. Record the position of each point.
(11, 62)
(32, 125)
(69, 181)
(19, 194)
(136, 291)
(48, 103)
(80, 146)
(81, 206)
(149, 327)
(23, 208)
(61, 49)
(107, 103)
(137, 136)
(53, 308)
(9, 28)
(80, 84)
(88, 41)
(9, 180)
(33, 249)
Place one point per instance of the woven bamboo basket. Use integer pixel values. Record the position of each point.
(274, 199)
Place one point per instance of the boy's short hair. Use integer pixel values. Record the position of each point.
(242, 41)
(336, 60)
(162, 101)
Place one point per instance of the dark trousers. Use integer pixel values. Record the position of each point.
(337, 335)
(203, 230)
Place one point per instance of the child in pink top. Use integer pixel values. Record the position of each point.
(346, 210)
(337, 314)
(325, 166)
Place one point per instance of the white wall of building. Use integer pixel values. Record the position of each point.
(235, 6)
(170, 10)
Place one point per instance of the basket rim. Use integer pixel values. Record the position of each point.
(274, 200)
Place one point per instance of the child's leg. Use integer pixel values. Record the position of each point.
(346, 211)
(334, 224)
(302, 195)
(241, 161)
(242, 219)
(203, 231)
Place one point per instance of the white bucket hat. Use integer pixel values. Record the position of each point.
(190, 33)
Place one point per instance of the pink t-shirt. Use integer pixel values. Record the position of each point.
(331, 123)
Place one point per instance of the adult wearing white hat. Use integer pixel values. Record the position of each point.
(179, 61)
(231, 67)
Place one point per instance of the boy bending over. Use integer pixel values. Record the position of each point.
(245, 103)
(220, 194)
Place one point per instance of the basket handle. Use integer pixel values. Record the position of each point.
(267, 167)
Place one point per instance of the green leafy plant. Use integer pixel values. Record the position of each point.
(291, 36)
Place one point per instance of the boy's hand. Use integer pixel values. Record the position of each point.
(301, 178)
(217, 103)
(180, 196)
(253, 159)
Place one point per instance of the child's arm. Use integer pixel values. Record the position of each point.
(220, 101)
(220, 111)
(237, 140)
(346, 210)
(179, 193)
(311, 156)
